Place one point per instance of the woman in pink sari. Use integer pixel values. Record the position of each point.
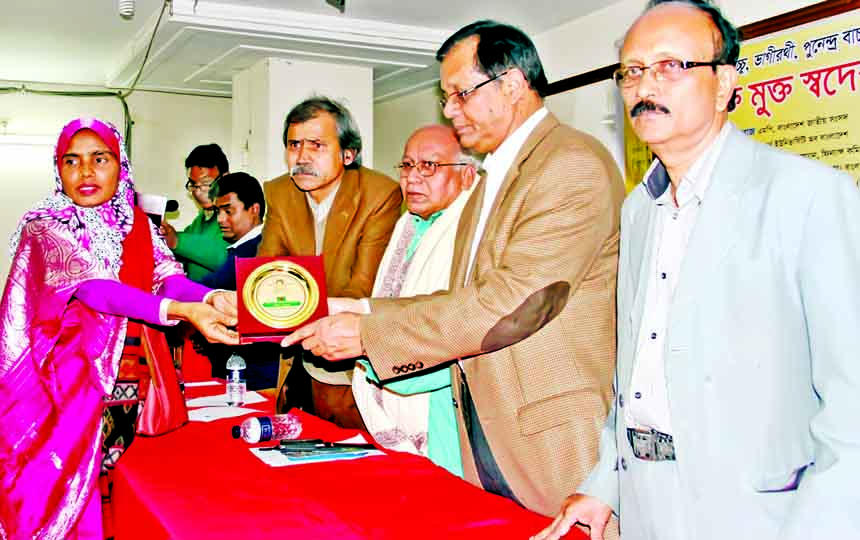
(88, 269)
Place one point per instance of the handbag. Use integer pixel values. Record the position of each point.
(164, 407)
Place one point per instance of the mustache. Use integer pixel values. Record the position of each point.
(304, 170)
(646, 106)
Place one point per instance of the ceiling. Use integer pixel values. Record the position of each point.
(201, 44)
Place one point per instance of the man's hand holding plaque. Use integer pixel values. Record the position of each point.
(336, 337)
(277, 295)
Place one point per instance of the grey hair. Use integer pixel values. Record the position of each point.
(348, 135)
(728, 45)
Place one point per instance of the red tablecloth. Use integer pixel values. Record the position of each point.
(198, 482)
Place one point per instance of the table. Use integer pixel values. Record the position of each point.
(198, 482)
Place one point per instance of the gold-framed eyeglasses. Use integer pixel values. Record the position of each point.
(424, 168)
(669, 70)
(459, 98)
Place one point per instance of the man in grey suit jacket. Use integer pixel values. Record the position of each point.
(738, 382)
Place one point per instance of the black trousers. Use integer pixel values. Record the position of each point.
(332, 402)
(489, 473)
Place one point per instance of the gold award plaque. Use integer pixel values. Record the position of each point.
(281, 294)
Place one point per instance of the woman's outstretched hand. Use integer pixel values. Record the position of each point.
(215, 325)
(224, 301)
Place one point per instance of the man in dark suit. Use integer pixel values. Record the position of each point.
(241, 206)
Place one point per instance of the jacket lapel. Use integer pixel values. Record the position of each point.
(340, 215)
(715, 231)
(536, 136)
(466, 233)
(541, 130)
(299, 232)
(641, 233)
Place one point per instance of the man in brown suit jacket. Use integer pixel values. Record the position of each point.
(329, 205)
(529, 322)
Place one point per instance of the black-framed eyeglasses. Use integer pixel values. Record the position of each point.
(459, 98)
(669, 70)
(193, 186)
(424, 168)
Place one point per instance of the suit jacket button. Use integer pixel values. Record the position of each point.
(624, 464)
(454, 401)
(621, 401)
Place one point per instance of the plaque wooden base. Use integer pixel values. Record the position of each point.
(277, 295)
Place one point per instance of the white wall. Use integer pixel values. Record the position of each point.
(575, 47)
(395, 120)
(166, 128)
(265, 93)
(590, 42)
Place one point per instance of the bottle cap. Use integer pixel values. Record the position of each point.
(235, 362)
(237, 432)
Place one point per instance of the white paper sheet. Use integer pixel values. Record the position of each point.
(277, 459)
(203, 383)
(357, 439)
(220, 400)
(208, 414)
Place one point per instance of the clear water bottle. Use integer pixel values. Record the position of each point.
(236, 381)
(266, 428)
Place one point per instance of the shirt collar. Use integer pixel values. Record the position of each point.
(418, 220)
(695, 182)
(250, 235)
(320, 210)
(503, 157)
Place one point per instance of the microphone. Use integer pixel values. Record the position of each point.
(155, 206)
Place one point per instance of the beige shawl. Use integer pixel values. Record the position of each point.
(399, 421)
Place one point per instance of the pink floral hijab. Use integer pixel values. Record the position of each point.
(99, 230)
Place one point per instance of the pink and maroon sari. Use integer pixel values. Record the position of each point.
(59, 359)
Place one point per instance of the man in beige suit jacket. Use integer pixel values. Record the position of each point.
(529, 323)
(329, 205)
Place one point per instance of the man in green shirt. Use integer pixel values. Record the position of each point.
(200, 246)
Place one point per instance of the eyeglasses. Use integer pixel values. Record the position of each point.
(459, 98)
(665, 70)
(192, 186)
(425, 168)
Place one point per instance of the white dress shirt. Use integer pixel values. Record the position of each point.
(648, 400)
(497, 164)
(320, 212)
(250, 235)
